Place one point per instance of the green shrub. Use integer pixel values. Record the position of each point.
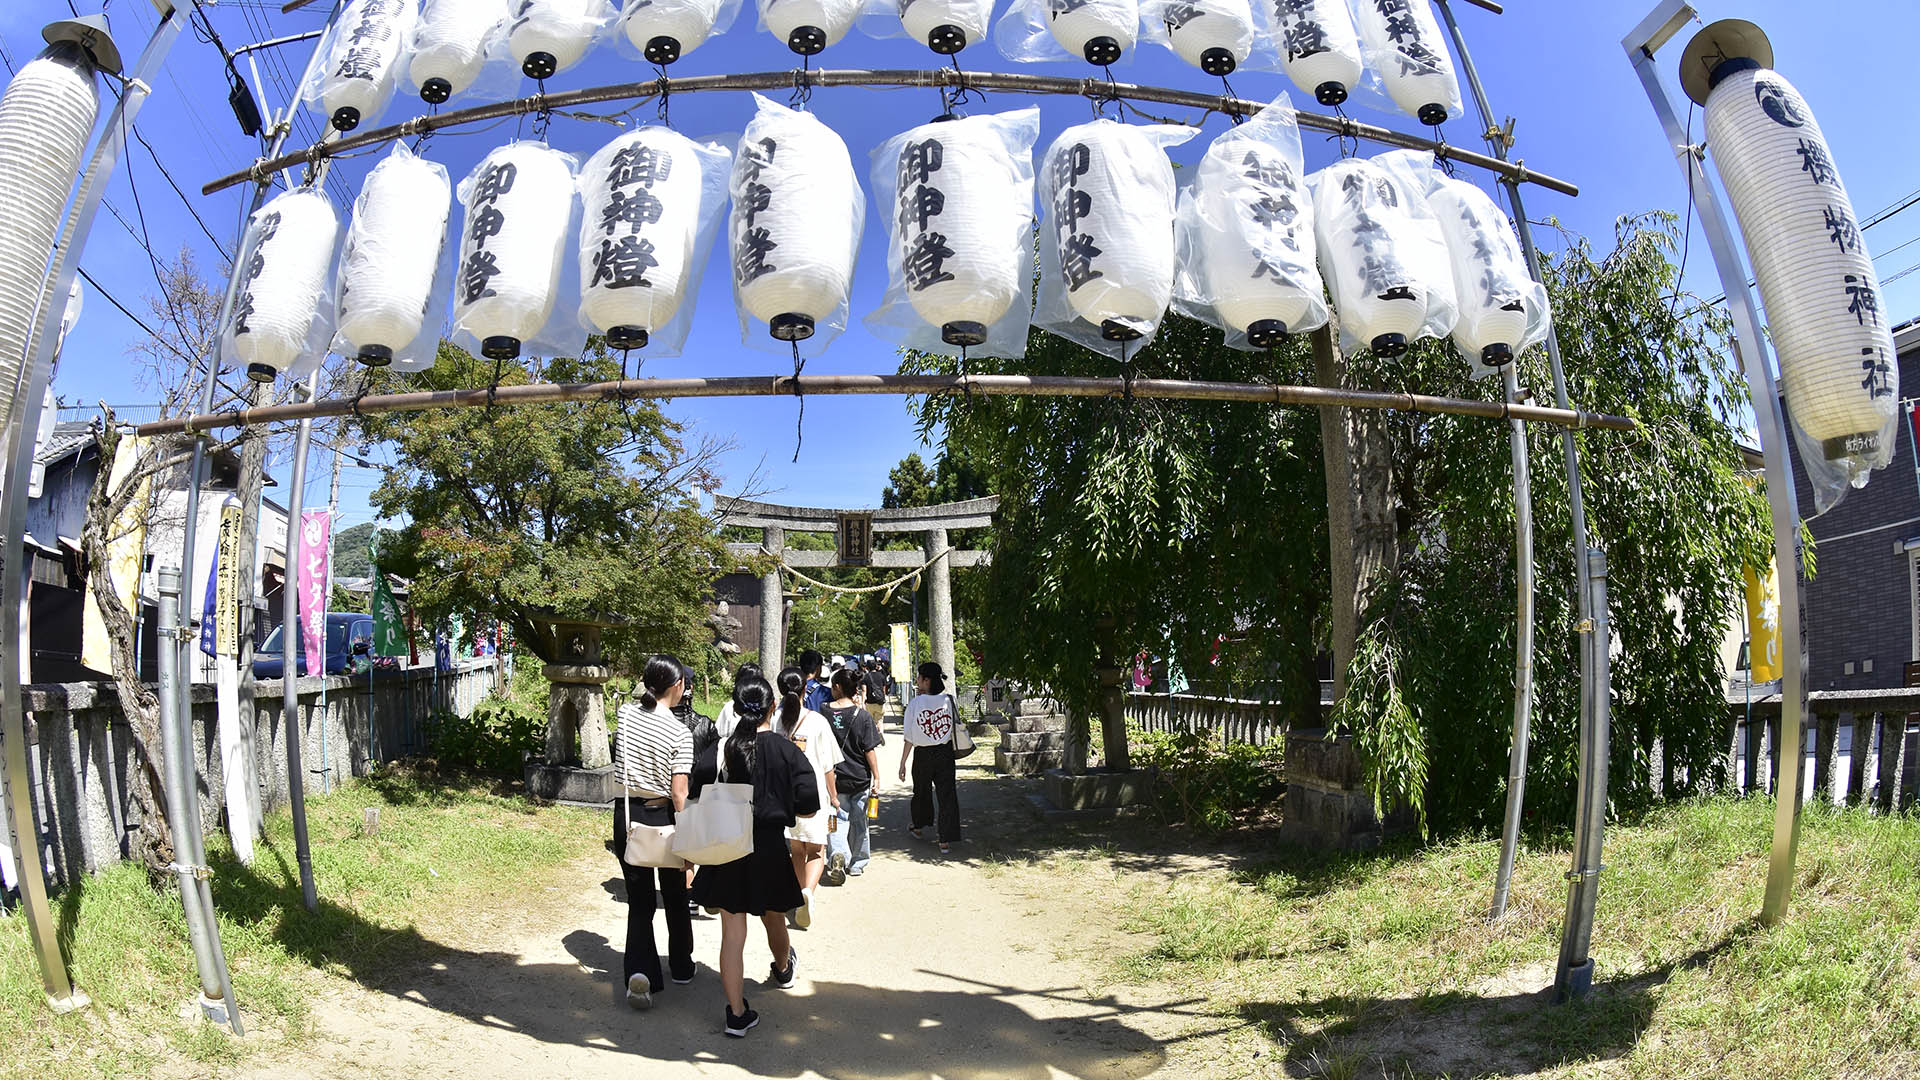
(1203, 781)
(495, 739)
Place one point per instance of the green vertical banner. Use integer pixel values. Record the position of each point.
(389, 629)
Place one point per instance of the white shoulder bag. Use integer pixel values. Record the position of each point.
(716, 827)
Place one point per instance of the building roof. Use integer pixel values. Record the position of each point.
(68, 436)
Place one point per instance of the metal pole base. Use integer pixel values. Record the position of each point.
(1577, 984)
(216, 1011)
(73, 1002)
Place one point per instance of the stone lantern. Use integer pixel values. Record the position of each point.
(578, 765)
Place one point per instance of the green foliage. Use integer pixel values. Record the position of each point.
(350, 551)
(1204, 782)
(495, 740)
(1387, 735)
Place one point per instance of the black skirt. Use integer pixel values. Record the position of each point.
(754, 884)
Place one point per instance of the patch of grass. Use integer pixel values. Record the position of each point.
(383, 899)
(1349, 964)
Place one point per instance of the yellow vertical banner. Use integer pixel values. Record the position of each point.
(126, 538)
(902, 654)
(226, 620)
(1763, 624)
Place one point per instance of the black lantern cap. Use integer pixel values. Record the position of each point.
(946, 39)
(1497, 355)
(807, 40)
(1704, 61)
(436, 91)
(346, 118)
(964, 333)
(662, 49)
(375, 355)
(791, 326)
(1390, 345)
(500, 347)
(627, 337)
(1433, 114)
(539, 65)
(1102, 50)
(1218, 61)
(1266, 333)
(1330, 93)
(91, 33)
(1114, 331)
(261, 372)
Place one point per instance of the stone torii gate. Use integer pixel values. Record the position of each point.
(855, 529)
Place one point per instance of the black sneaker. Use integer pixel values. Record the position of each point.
(836, 872)
(738, 1026)
(783, 977)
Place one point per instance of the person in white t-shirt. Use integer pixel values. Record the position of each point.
(928, 727)
(813, 737)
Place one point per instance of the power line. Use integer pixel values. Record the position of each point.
(176, 190)
(102, 290)
(1898, 205)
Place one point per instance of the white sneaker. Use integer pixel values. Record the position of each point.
(638, 996)
(803, 915)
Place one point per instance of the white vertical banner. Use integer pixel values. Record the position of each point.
(236, 757)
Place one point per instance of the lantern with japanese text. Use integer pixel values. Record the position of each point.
(279, 318)
(1107, 246)
(364, 59)
(549, 36)
(1503, 311)
(666, 30)
(450, 45)
(647, 197)
(808, 26)
(795, 230)
(1319, 47)
(1838, 366)
(1402, 43)
(1246, 242)
(1383, 256)
(947, 26)
(385, 288)
(519, 210)
(1215, 36)
(961, 255)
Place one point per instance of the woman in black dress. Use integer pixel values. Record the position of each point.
(762, 883)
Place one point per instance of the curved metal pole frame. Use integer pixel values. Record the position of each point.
(937, 78)
(18, 438)
(1656, 30)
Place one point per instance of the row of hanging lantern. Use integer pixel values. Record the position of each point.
(448, 47)
(549, 250)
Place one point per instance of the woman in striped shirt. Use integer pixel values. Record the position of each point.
(653, 752)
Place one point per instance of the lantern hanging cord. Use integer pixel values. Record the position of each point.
(493, 388)
(802, 84)
(1345, 133)
(799, 422)
(1099, 95)
(1442, 153)
(1230, 103)
(543, 114)
(366, 385)
(666, 89)
(425, 130)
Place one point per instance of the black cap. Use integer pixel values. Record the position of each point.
(662, 50)
(1102, 50)
(791, 326)
(1390, 345)
(375, 355)
(1218, 61)
(500, 347)
(540, 65)
(436, 91)
(807, 40)
(346, 118)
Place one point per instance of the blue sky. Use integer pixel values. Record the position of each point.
(1558, 66)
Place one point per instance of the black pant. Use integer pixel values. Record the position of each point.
(933, 781)
(641, 955)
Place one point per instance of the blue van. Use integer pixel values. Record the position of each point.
(349, 644)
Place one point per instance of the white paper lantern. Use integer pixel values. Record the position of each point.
(641, 195)
(549, 36)
(369, 47)
(1109, 191)
(46, 117)
(1319, 47)
(450, 45)
(1502, 309)
(666, 30)
(1215, 36)
(947, 26)
(519, 206)
(1837, 359)
(809, 26)
(962, 208)
(1403, 44)
(1100, 30)
(1383, 256)
(391, 257)
(278, 320)
(1249, 225)
(795, 227)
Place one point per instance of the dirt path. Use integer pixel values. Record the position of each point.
(926, 966)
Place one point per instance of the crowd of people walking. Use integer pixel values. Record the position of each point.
(770, 799)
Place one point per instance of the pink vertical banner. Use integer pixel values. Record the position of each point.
(316, 557)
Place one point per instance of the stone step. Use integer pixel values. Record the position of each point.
(1042, 808)
(1027, 764)
(1046, 722)
(1038, 706)
(1026, 742)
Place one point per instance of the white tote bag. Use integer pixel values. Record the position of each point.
(716, 827)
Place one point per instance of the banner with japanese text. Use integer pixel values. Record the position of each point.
(316, 555)
(389, 629)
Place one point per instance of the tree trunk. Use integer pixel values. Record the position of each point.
(1362, 531)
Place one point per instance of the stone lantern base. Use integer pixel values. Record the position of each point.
(578, 765)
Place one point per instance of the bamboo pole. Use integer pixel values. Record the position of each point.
(1095, 89)
(827, 385)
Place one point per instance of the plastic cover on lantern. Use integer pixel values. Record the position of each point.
(1034, 30)
(794, 232)
(562, 29)
(515, 279)
(281, 316)
(832, 18)
(1403, 44)
(1106, 242)
(1839, 369)
(919, 19)
(1381, 251)
(650, 202)
(462, 43)
(687, 24)
(352, 75)
(1501, 307)
(1209, 34)
(1244, 235)
(391, 290)
(973, 263)
(1318, 48)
